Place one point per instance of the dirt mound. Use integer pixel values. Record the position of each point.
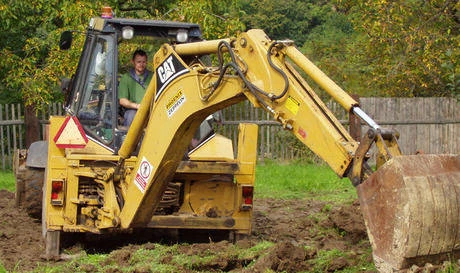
(349, 222)
(289, 224)
(20, 236)
(297, 221)
(276, 259)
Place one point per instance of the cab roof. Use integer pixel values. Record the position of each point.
(144, 27)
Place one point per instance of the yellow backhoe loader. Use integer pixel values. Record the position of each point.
(100, 177)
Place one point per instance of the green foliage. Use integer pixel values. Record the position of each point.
(371, 48)
(386, 48)
(142, 8)
(217, 18)
(332, 47)
(410, 46)
(33, 63)
(293, 19)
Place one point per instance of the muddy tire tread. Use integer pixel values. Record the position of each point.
(33, 184)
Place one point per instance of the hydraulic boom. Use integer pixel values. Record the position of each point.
(255, 68)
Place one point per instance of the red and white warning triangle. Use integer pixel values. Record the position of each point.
(71, 134)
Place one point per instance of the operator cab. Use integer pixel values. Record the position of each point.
(93, 91)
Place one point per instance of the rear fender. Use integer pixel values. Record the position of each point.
(37, 156)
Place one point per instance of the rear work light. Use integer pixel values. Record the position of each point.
(247, 194)
(57, 192)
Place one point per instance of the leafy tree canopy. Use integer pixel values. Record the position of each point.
(289, 19)
(378, 47)
(31, 63)
(411, 47)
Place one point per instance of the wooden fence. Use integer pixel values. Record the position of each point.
(12, 128)
(431, 125)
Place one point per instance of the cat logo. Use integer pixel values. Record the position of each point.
(167, 71)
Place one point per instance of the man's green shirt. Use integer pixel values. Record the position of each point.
(132, 90)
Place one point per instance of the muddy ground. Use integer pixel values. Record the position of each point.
(289, 224)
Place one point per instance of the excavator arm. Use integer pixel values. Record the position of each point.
(252, 67)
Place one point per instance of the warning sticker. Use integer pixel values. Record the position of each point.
(302, 133)
(175, 103)
(143, 174)
(292, 105)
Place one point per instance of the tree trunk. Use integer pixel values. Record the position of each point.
(32, 125)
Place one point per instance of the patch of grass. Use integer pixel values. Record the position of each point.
(254, 251)
(2, 268)
(83, 263)
(7, 181)
(327, 261)
(154, 256)
(213, 260)
(301, 180)
(195, 261)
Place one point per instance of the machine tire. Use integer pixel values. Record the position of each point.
(32, 188)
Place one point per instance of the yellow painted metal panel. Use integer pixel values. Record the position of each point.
(217, 147)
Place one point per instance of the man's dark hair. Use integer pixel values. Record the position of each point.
(139, 52)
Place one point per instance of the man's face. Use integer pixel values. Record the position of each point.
(140, 62)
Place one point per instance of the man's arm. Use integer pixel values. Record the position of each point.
(128, 104)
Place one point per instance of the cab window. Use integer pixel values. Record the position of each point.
(96, 107)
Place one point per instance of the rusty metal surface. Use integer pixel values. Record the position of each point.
(411, 207)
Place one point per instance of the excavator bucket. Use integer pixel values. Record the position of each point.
(411, 207)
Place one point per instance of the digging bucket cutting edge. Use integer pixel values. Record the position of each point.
(411, 207)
